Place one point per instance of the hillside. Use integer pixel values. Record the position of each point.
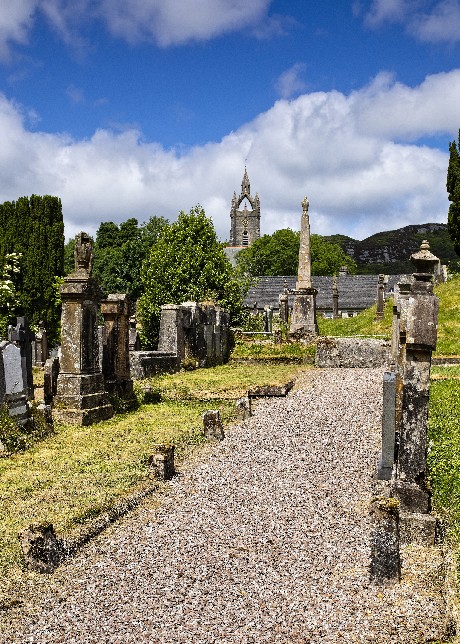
(389, 252)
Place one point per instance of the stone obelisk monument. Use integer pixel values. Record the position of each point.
(303, 319)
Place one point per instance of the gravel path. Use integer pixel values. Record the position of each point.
(267, 540)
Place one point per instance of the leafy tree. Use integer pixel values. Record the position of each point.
(278, 254)
(120, 251)
(187, 263)
(453, 190)
(34, 228)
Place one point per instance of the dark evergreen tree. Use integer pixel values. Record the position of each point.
(453, 190)
(34, 227)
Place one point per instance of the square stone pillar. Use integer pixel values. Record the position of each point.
(115, 356)
(81, 394)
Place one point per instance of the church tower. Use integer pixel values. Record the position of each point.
(244, 216)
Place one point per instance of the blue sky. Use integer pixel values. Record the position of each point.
(151, 106)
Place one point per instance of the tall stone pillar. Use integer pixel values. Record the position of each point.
(81, 395)
(380, 297)
(335, 298)
(303, 318)
(115, 356)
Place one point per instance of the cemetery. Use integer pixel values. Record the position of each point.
(289, 416)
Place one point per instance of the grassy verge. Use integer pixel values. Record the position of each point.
(77, 473)
(449, 318)
(247, 348)
(444, 453)
(363, 324)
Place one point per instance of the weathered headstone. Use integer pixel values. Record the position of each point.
(387, 455)
(303, 318)
(380, 297)
(335, 298)
(81, 392)
(284, 305)
(268, 319)
(134, 339)
(22, 336)
(14, 390)
(115, 361)
(385, 565)
(50, 380)
(41, 345)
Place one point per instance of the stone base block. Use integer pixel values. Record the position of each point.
(81, 399)
(41, 548)
(303, 318)
(212, 424)
(162, 462)
(385, 565)
(417, 528)
(411, 497)
(271, 390)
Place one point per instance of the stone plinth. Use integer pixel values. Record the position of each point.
(303, 317)
(81, 395)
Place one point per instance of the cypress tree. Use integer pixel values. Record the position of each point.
(453, 190)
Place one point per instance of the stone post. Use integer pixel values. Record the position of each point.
(283, 299)
(115, 361)
(380, 297)
(268, 319)
(81, 392)
(172, 336)
(335, 298)
(303, 319)
(134, 340)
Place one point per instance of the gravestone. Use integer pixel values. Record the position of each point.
(115, 361)
(81, 394)
(268, 319)
(50, 380)
(212, 425)
(41, 345)
(303, 318)
(335, 298)
(380, 297)
(14, 389)
(284, 305)
(23, 336)
(134, 339)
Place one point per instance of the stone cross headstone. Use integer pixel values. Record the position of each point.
(81, 392)
(303, 318)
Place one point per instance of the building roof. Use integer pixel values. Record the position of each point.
(356, 292)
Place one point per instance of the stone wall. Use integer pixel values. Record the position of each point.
(352, 352)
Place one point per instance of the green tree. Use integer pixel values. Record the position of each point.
(278, 254)
(453, 190)
(187, 263)
(119, 252)
(34, 228)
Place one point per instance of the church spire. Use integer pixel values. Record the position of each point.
(245, 185)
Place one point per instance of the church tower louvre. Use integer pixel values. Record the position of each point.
(244, 215)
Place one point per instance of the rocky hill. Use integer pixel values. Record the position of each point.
(389, 252)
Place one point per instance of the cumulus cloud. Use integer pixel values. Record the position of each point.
(429, 21)
(357, 157)
(164, 22)
(291, 82)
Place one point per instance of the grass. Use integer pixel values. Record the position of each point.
(80, 472)
(265, 350)
(444, 453)
(363, 324)
(449, 318)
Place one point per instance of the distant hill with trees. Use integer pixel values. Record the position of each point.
(389, 252)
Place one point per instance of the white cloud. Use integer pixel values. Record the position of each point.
(429, 20)
(356, 156)
(165, 22)
(291, 82)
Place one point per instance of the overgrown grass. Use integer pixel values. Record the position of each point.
(79, 472)
(449, 317)
(444, 454)
(364, 323)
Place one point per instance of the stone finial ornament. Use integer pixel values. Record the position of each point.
(424, 260)
(305, 204)
(84, 256)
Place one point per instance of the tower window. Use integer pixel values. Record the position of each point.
(245, 238)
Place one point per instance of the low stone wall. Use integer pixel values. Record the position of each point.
(144, 364)
(352, 352)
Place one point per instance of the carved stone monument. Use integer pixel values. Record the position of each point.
(303, 319)
(81, 392)
(115, 362)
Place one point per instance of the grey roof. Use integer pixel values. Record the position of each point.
(356, 292)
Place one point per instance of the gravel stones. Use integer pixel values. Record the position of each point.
(267, 540)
